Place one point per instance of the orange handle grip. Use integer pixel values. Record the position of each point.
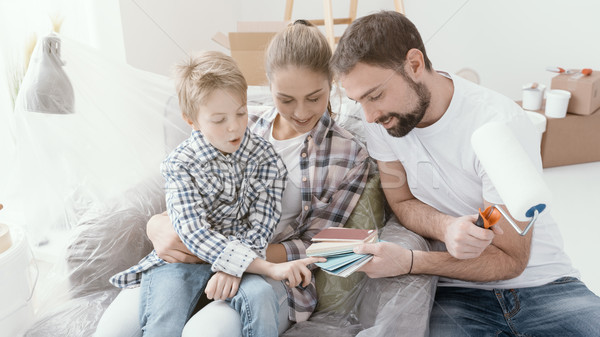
(488, 217)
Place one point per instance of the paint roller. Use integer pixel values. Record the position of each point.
(513, 174)
(5, 240)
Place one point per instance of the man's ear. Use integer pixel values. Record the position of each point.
(415, 62)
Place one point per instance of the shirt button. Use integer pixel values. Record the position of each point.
(304, 155)
(306, 208)
(304, 179)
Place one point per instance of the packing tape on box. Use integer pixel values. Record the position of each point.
(5, 240)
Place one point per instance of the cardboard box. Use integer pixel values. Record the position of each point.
(571, 140)
(248, 46)
(585, 91)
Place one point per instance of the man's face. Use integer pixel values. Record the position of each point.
(388, 97)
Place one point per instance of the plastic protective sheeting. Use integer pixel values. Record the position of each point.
(395, 306)
(91, 176)
(82, 175)
(76, 148)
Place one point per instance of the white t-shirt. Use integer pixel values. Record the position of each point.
(289, 151)
(444, 172)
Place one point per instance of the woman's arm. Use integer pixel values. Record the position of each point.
(276, 253)
(166, 242)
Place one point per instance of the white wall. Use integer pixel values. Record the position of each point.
(159, 33)
(507, 42)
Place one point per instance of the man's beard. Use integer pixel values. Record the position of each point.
(405, 123)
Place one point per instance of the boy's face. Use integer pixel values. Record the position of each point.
(222, 119)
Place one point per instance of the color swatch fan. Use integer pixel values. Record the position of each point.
(337, 245)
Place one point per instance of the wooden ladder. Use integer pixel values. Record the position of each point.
(329, 21)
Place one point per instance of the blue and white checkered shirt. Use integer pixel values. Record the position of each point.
(224, 207)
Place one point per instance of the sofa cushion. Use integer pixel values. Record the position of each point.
(333, 290)
(111, 238)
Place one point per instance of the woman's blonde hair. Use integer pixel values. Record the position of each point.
(301, 44)
(203, 73)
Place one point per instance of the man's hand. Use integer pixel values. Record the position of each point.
(222, 286)
(166, 242)
(389, 259)
(465, 240)
(295, 272)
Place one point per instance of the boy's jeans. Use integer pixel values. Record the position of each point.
(565, 307)
(169, 294)
(168, 297)
(257, 304)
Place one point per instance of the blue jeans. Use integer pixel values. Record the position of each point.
(168, 297)
(565, 307)
(170, 293)
(257, 304)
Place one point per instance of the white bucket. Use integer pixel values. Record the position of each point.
(18, 277)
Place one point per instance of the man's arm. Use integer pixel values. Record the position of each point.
(462, 238)
(474, 254)
(505, 258)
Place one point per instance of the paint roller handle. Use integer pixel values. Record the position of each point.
(488, 217)
(492, 214)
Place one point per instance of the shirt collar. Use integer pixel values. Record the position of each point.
(208, 152)
(320, 130)
(318, 133)
(241, 154)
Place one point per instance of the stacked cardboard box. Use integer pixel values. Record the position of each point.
(585, 91)
(248, 45)
(571, 140)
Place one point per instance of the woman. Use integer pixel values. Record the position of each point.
(327, 172)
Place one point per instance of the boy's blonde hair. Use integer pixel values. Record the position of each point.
(202, 74)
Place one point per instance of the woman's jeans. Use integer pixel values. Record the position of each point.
(565, 307)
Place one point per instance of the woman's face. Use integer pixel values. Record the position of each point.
(301, 96)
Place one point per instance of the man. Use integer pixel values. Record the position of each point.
(419, 124)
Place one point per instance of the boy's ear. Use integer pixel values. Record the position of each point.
(188, 120)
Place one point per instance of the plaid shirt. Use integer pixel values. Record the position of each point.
(334, 168)
(224, 208)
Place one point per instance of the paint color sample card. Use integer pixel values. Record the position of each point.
(345, 234)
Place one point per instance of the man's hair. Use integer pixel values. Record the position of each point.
(300, 44)
(382, 39)
(203, 73)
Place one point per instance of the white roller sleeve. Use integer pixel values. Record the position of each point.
(5, 240)
(510, 169)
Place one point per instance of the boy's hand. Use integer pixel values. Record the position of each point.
(295, 272)
(222, 286)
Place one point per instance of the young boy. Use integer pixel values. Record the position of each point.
(223, 192)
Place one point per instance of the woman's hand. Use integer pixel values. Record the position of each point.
(166, 242)
(222, 286)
